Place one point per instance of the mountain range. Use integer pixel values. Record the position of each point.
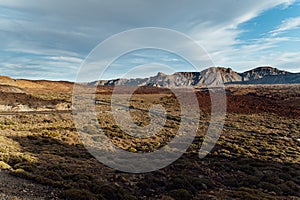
(211, 76)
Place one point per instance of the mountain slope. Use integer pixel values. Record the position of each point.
(8, 84)
(278, 79)
(261, 72)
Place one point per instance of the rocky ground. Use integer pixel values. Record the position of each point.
(257, 156)
(15, 188)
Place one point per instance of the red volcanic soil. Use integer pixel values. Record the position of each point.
(249, 104)
(243, 100)
(282, 100)
(138, 90)
(253, 103)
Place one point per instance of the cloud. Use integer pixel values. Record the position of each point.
(61, 32)
(288, 24)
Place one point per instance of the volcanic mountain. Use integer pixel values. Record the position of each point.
(211, 76)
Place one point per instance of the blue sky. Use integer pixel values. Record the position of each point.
(49, 39)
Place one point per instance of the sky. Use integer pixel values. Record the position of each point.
(50, 39)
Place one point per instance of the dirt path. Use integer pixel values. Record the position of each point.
(14, 188)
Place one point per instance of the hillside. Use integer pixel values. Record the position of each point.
(34, 95)
(34, 86)
(256, 157)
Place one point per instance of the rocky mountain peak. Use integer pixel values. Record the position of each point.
(211, 76)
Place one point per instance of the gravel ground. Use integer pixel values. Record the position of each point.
(14, 188)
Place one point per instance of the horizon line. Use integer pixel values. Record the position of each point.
(115, 78)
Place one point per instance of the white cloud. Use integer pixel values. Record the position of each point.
(66, 59)
(288, 24)
(288, 3)
(67, 31)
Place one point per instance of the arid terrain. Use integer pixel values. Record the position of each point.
(42, 157)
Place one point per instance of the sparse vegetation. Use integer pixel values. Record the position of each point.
(257, 156)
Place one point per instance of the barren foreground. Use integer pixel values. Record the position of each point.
(257, 156)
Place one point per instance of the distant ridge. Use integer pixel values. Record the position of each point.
(211, 76)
